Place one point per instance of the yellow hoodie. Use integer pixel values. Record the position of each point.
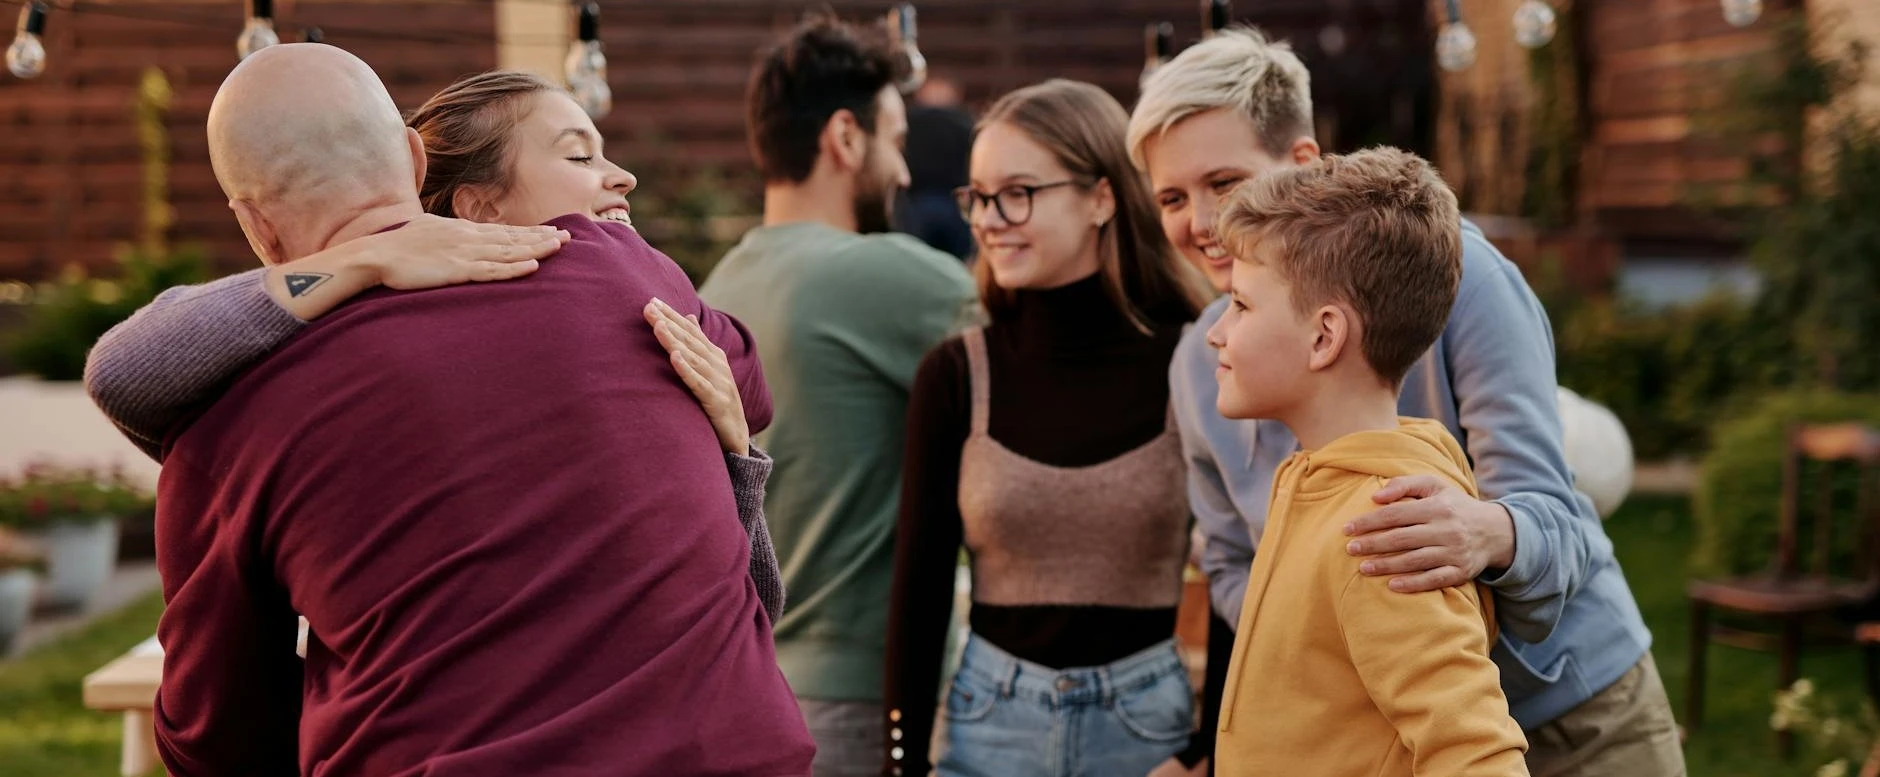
(1334, 674)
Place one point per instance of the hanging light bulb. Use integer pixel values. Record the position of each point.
(1455, 44)
(901, 25)
(1533, 23)
(26, 58)
(587, 66)
(1214, 16)
(1742, 13)
(1332, 39)
(258, 33)
(1158, 42)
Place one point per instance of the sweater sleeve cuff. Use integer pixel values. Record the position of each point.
(748, 476)
(1528, 547)
(251, 298)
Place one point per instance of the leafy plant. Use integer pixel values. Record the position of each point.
(44, 493)
(1556, 125)
(1667, 373)
(1739, 488)
(1813, 177)
(692, 213)
(70, 313)
(1833, 730)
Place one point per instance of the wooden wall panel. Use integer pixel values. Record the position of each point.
(69, 167)
(71, 173)
(1656, 71)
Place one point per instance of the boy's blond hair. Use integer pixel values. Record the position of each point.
(1377, 230)
(1238, 69)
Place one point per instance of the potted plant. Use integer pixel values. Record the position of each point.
(20, 562)
(72, 513)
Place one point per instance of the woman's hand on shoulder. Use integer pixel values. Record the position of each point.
(706, 371)
(433, 251)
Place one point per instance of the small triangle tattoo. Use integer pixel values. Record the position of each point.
(301, 283)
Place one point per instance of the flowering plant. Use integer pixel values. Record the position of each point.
(1835, 731)
(44, 493)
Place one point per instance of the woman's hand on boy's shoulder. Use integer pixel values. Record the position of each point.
(1430, 535)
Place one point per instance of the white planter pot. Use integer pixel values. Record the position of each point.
(16, 605)
(79, 558)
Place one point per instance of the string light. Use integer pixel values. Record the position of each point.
(1158, 42)
(26, 58)
(587, 66)
(1214, 16)
(1533, 23)
(1742, 13)
(258, 33)
(901, 24)
(1455, 44)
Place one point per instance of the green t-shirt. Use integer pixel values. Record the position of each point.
(842, 321)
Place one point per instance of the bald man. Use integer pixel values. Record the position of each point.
(507, 520)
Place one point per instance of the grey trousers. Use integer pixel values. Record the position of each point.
(848, 734)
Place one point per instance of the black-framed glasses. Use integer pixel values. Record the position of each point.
(1012, 202)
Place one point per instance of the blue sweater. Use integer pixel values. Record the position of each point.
(1570, 627)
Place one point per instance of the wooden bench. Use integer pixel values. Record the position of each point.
(129, 685)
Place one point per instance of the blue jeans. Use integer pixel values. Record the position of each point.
(1005, 716)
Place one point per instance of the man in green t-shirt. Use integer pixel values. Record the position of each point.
(842, 312)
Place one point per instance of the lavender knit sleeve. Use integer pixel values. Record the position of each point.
(178, 351)
(748, 474)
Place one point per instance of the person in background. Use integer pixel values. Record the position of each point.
(1344, 272)
(1044, 445)
(1573, 650)
(842, 314)
(939, 139)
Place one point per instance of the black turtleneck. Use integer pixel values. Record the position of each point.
(1073, 383)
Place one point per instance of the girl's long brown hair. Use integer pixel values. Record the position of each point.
(1084, 128)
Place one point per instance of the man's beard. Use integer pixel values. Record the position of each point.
(874, 198)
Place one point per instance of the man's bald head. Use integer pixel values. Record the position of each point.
(309, 126)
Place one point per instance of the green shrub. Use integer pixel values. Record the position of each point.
(70, 314)
(1667, 374)
(1739, 491)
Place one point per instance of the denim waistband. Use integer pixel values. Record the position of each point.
(1014, 676)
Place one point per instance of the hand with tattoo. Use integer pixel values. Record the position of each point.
(427, 252)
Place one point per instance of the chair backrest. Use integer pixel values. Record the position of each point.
(1829, 448)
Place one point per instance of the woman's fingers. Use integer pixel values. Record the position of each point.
(694, 380)
(684, 327)
(519, 248)
(502, 271)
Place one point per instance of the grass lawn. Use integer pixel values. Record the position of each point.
(1652, 537)
(44, 732)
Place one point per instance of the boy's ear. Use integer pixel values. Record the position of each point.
(1332, 331)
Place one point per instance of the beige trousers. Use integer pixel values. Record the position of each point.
(1624, 731)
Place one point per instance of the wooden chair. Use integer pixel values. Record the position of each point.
(1789, 593)
(1867, 635)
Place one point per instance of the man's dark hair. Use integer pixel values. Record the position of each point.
(822, 66)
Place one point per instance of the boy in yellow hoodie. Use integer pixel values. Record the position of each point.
(1345, 272)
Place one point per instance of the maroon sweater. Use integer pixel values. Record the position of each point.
(509, 525)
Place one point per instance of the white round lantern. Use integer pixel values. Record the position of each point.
(1598, 451)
